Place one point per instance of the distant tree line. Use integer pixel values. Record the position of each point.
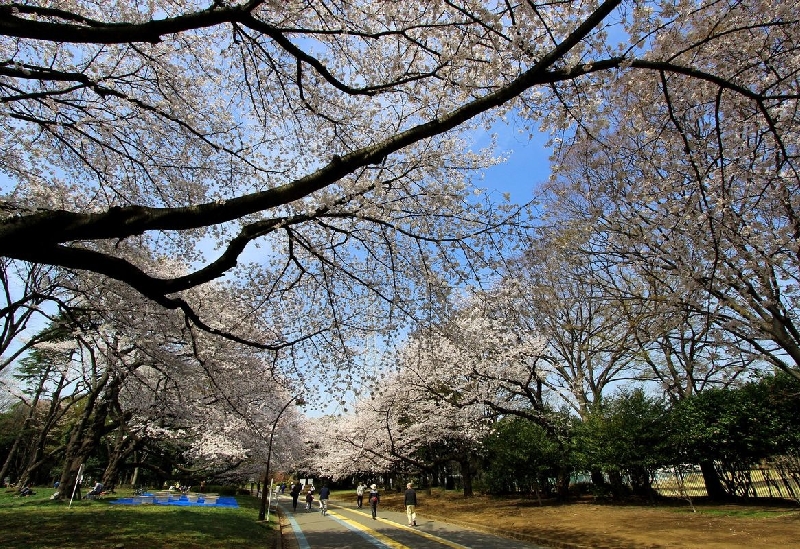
(629, 444)
(630, 436)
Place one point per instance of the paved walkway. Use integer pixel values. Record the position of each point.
(346, 527)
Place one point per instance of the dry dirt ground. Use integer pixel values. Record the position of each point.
(587, 524)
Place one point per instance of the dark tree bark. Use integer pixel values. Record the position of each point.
(714, 487)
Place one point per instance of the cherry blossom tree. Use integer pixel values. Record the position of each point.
(493, 355)
(312, 160)
(225, 404)
(685, 350)
(142, 379)
(332, 137)
(401, 429)
(609, 324)
(695, 183)
(563, 301)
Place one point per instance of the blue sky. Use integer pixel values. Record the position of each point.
(527, 167)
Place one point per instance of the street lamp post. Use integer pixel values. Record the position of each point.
(266, 486)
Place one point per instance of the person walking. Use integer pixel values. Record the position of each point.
(309, 498)
(360, 494)
(374, 500)
(324, 494)
(295, 493)
(411, 505)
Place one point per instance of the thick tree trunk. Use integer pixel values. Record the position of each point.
(48, 422)
(466, 477)
(436, 477)
(85, 435)
(714, 487)
(562, 483)
(618, 487)
(135, 477)
(10, 458)
(34, 461)
(640, 482)
(70, 481)
(123, 448)
(597, 477)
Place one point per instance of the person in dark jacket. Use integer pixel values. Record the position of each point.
(309, 498)
(295, 493)
(374, 500)
(324, 494)
(411, 505)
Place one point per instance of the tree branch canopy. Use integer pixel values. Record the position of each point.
(315, 148)
(58, 226)
(53, 25)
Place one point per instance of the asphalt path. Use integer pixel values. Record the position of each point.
(346, 527)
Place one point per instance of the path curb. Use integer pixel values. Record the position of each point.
(285, 537)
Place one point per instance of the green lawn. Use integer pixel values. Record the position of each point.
(37, 522)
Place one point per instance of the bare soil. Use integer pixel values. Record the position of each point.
(589, 524)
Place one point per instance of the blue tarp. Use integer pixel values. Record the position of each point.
(222, 501)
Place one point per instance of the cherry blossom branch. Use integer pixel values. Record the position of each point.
(52, 227)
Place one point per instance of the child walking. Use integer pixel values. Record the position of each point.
(309, 499)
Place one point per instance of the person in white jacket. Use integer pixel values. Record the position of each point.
(360, 495)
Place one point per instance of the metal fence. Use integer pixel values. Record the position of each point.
(778, 478)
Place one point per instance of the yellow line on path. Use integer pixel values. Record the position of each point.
(388, 541)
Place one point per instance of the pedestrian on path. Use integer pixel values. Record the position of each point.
(374, 499)
(309, 498)
(411, 505)
(360, 494)
(295, 493)
(324, 494)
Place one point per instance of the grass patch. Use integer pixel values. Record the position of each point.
(38, 522)
(746, 512)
